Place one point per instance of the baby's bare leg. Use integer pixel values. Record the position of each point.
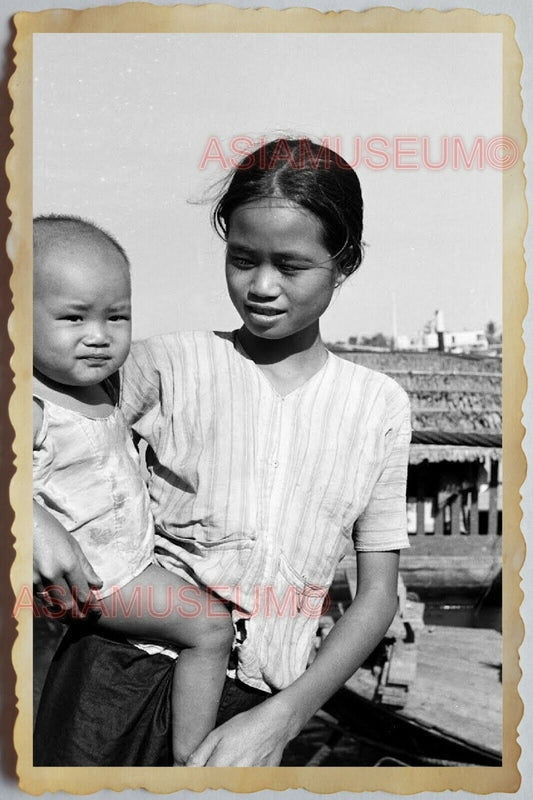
(159, 606)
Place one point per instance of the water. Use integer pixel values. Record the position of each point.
(463, 615)
(466, 610)
(330, 748)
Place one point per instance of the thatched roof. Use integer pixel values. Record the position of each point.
(456, 400)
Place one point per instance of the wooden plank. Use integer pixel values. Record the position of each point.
(420, 520)
(456, 506)
(458, 688)
(472, 570)
(457, 691)
(402, 666)
(447, 545)
(420, 506)
(414, 614)
(439, 522)
(493, 499)
(474, 512)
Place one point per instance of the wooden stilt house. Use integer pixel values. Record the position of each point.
(454, 480)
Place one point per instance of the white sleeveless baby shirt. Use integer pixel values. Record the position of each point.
(86, 473)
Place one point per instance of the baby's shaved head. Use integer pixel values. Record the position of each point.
(58, 229)
(68, 233)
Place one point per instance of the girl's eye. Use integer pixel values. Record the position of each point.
(72, 318)
(119, 318)
(291, 269)
(241, 263)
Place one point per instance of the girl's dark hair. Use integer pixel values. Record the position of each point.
(311, 175)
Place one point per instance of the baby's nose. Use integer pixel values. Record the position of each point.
(96, 334)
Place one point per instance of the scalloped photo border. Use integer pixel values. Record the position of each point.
(147, 18)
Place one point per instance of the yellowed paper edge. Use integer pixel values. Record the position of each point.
(147, 18)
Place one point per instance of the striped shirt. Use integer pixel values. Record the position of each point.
(257, 495)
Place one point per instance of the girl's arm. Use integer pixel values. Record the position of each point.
(258, 737)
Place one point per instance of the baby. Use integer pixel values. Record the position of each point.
(86, 469)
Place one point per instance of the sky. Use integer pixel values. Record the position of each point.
(135, 131)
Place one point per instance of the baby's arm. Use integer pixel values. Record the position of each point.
(62, 576)
(159, 606)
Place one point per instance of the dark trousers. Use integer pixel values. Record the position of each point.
(107, 703)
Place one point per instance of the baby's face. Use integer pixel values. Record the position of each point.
(81, 312)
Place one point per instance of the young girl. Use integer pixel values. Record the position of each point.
(86, 469)
(268, 454)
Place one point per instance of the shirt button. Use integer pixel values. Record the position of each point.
(275, 464)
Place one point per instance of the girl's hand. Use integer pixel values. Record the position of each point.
(255, 738)
(62, 576)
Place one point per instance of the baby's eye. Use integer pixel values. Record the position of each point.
(72, 318)
(119, 318)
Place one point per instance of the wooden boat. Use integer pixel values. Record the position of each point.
(429, 695)
(453, 708)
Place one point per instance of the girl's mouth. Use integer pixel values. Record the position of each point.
(263, 311)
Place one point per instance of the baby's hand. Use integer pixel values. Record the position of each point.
(62, 576)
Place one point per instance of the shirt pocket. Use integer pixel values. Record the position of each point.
(221, 565)
(311, 595)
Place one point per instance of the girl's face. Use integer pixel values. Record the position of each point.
(81, 313)
(280, 275)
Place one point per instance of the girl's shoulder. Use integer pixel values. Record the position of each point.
(171, 350)
(180, 339)
(378, 385)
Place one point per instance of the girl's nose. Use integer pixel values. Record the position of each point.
(264, 281)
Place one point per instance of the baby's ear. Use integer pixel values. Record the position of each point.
(37, 419)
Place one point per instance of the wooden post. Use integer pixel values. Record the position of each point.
(474, 512)
(493, 498)
(456, 515)
(439, 521)
(420, 507)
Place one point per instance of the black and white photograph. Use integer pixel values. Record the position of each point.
(268, 348)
